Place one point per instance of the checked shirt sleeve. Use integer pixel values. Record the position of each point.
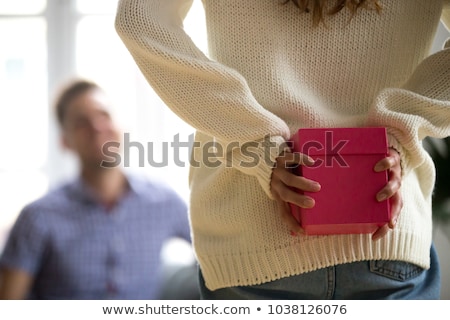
(26, 243)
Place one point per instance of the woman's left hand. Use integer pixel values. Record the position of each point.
(391, 191)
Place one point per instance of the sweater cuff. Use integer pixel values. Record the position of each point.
(272, 147)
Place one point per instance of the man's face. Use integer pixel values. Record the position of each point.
(88, 125)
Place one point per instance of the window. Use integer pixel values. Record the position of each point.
(22, 7)
(23, 112)
(53, 41)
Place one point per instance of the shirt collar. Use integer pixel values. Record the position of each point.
(82, 190)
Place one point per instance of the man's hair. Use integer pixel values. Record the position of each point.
(70, 92)
(320, 7)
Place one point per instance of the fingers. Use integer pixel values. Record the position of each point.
(380, 233)
(283, 174)
(297, 182)
(386, 164)
(283, 191)
(389, 162)
(391, 188)
(284, 186)
(292, 160)
(285, 183)
(396, 207)
(390, 191)
(392, 164)
(396, 203)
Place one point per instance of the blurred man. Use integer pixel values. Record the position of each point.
(100, 236)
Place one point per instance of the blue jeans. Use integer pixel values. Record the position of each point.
(360, 280)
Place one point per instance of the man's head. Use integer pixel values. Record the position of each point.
(85, 118)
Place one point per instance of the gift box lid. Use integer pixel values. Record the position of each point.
(330, 141)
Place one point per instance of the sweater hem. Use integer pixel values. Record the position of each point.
(304, 256)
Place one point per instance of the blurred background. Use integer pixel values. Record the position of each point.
(43, 44)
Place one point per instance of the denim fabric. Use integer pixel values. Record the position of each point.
(358, 281)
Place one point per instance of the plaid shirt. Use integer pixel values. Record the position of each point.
(76, 249)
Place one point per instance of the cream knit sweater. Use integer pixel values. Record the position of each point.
(270, 72)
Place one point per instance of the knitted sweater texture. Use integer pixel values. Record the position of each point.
(269, 72)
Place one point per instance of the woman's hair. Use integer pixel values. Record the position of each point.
(320, 7)
(71, 91)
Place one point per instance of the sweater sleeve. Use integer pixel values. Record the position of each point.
(209, 96)
(419, 108)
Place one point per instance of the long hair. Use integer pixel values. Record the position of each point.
(320, 7)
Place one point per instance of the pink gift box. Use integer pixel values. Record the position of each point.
(344, 162)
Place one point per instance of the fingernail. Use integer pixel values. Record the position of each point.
(308, 202)
(393, 223)
(316, 186)
(381, 197)
(378, 168)
(376, 238)
(310, 160)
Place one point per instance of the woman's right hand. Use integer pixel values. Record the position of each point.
(283, 185)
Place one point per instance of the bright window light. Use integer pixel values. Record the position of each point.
(23, 79)
(19, 7)
(97, 7)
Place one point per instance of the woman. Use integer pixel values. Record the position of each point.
(274, 67)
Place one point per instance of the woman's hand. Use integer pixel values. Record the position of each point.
(391, 191)
(283, 185)
(284, 182)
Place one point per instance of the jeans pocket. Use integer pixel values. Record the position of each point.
(396, 270)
